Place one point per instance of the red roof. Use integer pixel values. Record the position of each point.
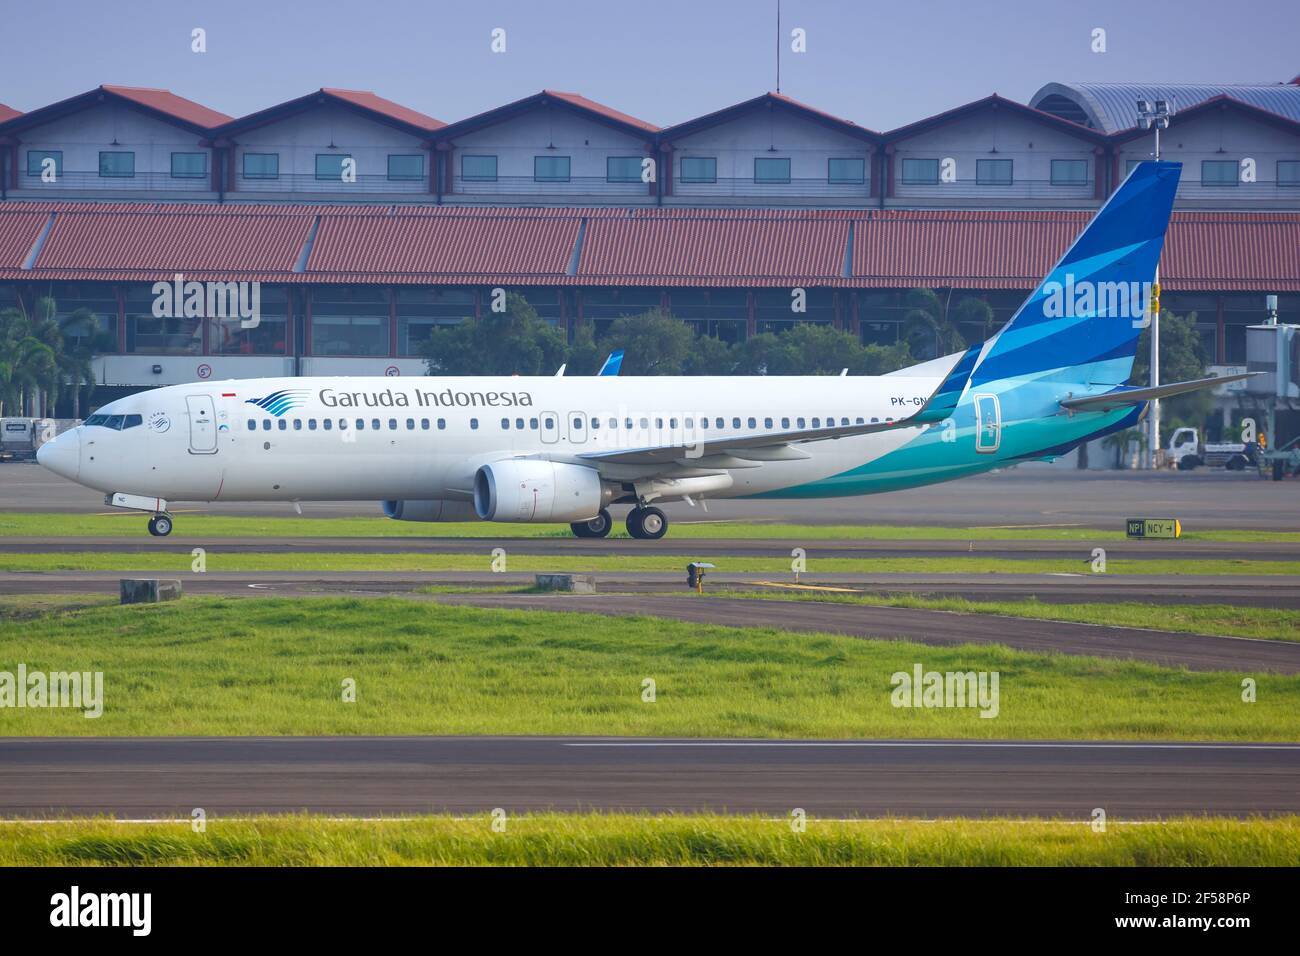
(165, 101)
(580, 101)
(375, 103)
(8, 113)
(977, 249)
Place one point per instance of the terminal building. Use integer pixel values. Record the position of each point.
(366, 224)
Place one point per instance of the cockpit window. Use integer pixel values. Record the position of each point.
(115, 422)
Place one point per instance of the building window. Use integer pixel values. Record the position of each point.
(623, 169)
(1069, 172)
(699, 169)
(478, 169)
(1218, 172)
(329, 166)
(993, 172)
(1288, 172)
(36, 161)
(846, 171)
(117, 165)
(189, 165)
(261, 165)
(920, 172)
(406, 167)
(551, 169)
(771, 170)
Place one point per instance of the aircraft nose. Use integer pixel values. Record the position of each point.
(62, 455)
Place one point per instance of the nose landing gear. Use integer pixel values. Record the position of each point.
(648, 524)
(160, 526)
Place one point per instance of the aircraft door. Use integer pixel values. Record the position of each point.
(550, 427)
(203, 425)
(988, 424)
(577, 427)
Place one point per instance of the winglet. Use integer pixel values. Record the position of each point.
(944, 401)
(1122, 397)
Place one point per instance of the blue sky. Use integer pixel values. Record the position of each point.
(880, 64)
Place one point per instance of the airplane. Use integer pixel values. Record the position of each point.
(556, 449)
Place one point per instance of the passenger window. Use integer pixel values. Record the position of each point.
(628, 424)
(283, 425)
(844, 421)
(690, 423)
(392, 424)
(424, 424)
(550, 423)
(442, 424)
(595, 424)
(735, 423)
(659, 423)
(720, 423)
(753, 423)
(266, 424)
(785, 423)
(861, 422)
(801, 422)
(532, 423)
(505, 424)
(297, 424)
(519, 424)
(343, 424)
(374, 423)
(817, 423)
(311, 424)
(613, 423)
(473, 423)
(328, 424)
(410, 424)
(672, 423)
(252, 425)
(767, 423)
(704, 423)
(361, 424)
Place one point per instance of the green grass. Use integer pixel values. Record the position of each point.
(636, 840)
(1263, 623)
(131, 524)
(210, 666)
(232, 561)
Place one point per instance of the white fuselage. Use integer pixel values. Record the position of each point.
(389, 438)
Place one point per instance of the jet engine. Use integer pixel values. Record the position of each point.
(528, 489)
(433, 509)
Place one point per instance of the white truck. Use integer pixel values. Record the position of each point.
(1188, 450)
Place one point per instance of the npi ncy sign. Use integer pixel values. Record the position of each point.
(1153, 527)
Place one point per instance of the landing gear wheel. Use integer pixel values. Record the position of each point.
(649, 524)
(597, 527)
(160, 526)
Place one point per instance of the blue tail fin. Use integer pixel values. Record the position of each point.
(1083, 321)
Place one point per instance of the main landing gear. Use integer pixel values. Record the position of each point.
(597, 527)
(649, 524)
(160, 526)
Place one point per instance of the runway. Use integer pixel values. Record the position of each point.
(686, 548)
(1237, 590)
(1035, 493)
(137, 778)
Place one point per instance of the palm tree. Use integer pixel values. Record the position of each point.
(927, 322)
(35, 362)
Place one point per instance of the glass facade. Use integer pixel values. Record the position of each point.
(99, 333)
(159, 335)
(602, 306)
(420, 310)
(268, 337)
(721, 313)
(349, 320)
(774, 313)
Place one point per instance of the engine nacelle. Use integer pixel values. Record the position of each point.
(435, 509)
(519, 489)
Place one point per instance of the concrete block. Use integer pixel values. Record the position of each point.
(148, 590)
(576, 583)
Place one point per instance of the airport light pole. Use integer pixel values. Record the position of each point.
(1154, 117)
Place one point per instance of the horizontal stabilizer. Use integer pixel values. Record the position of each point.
(1136, 396)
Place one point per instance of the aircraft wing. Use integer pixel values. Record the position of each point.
(747, 450)
(1125, 396)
